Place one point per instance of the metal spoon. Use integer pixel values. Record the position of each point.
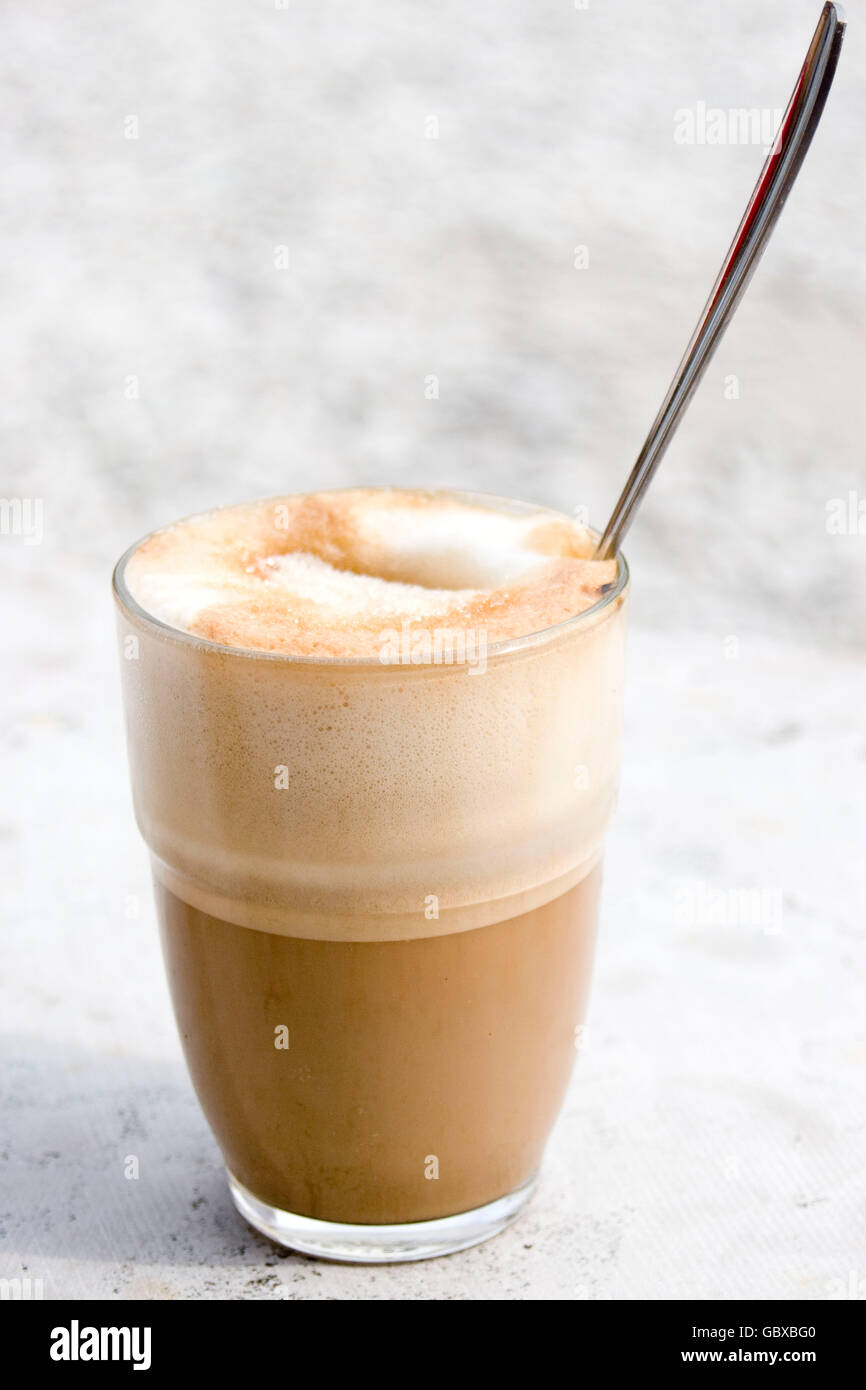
(776, 180)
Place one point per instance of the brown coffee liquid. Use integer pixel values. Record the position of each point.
(421, 1078)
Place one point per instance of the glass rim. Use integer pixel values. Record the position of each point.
(539, 637)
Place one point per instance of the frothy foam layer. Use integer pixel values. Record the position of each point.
(327, 574)
(373, 800)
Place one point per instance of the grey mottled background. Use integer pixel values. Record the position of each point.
(157, 361)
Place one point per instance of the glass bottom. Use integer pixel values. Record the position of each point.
(376, 1245)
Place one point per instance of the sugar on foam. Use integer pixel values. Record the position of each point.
(321, 574)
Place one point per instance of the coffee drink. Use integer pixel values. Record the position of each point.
(374, 740)
(452, 1051)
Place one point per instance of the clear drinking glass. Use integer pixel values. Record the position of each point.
(377, 883)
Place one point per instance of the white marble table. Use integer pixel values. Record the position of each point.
(713, 1140)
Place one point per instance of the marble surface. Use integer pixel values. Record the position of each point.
(159, 361)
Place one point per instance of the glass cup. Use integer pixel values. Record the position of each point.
(377, 883)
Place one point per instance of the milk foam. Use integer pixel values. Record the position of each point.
(321, 574)
(362, 801)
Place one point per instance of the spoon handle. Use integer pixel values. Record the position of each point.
(774, 184)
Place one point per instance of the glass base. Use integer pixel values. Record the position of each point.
(375, 1245)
